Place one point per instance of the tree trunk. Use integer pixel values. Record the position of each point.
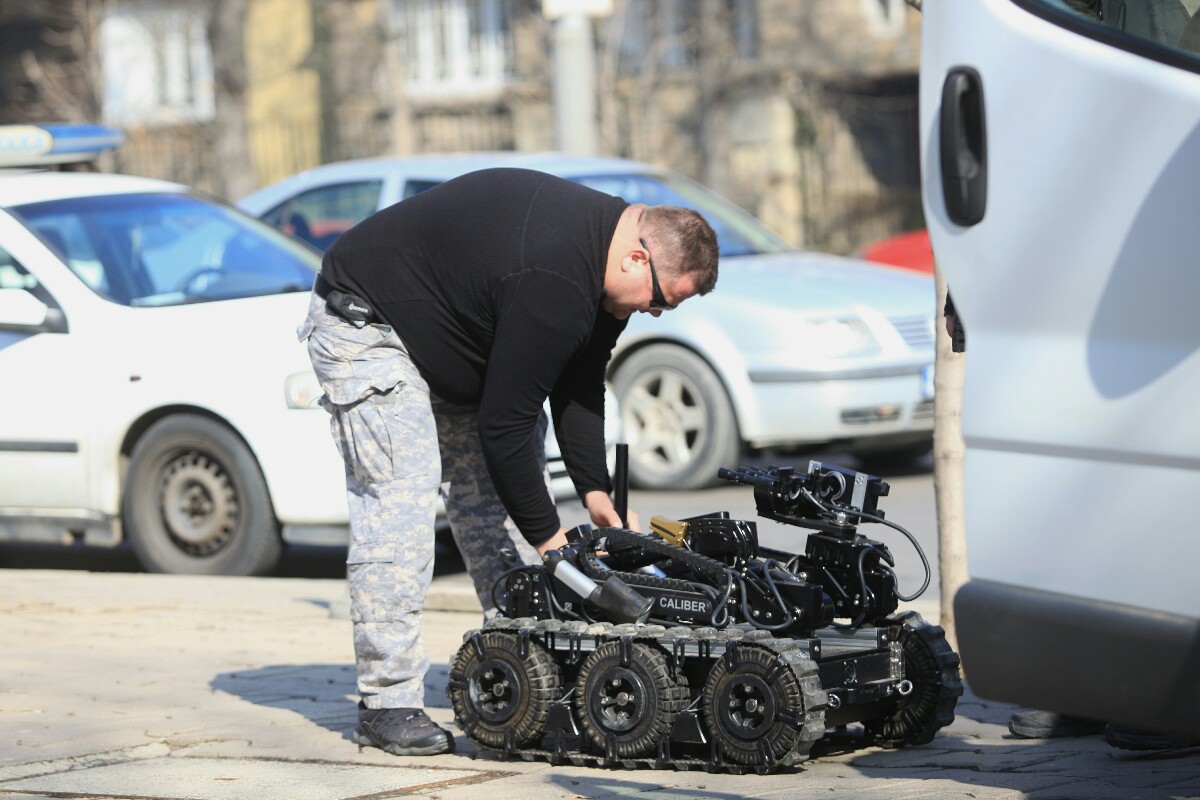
(949, 456)
(234, 170)
(713, 55)
(392, 90)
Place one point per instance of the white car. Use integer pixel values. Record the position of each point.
(1062, 153)
(791, 349)
(154, 389)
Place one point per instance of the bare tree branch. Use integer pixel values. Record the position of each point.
(45, 72)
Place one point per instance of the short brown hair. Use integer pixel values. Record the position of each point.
(686, 243)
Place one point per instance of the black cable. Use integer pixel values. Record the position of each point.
(719, 604)
(916, 546)
(828, 576)
(767, 564)
(868, 595)
(863, 515)
(774, 590)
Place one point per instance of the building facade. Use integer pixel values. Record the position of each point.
(801, 111)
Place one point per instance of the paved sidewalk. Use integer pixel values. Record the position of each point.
(132, 685)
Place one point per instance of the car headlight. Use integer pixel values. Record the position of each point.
(835, 338)
(302, 390)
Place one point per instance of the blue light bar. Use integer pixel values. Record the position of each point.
(41, 145)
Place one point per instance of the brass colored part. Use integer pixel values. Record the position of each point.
(669, 529)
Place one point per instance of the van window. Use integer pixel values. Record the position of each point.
(1163, 30)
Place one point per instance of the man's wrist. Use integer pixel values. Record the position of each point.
(542, 538)
(559, 539)
(593, 496)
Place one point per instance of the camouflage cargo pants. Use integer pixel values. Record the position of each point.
(402, 447)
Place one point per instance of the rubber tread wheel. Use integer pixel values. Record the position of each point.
(932, 666)
(763, 707)
(195, 501)
(627, 696)
(501, 687)
(678, 418)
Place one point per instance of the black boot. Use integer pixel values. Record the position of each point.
(1128, 738)
(401, 732)
(1049, 725)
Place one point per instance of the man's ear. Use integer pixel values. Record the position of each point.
(634, 259)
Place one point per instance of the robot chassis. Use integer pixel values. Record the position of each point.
(694, 647)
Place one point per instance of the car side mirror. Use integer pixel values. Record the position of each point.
(21, 311)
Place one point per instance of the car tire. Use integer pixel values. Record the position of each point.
(195, 502)
(677, 418)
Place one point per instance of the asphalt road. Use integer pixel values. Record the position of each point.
(910, 504)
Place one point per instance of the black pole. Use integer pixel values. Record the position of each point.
(621, 482)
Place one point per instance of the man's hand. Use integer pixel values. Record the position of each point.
(554, 542)
(604, 514)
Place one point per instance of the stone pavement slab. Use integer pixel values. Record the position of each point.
(131, 685)
(236, 779)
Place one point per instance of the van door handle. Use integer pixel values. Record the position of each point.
(964, 146)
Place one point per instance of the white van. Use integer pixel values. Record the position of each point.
(1061, 147)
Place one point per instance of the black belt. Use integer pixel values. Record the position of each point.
(349, 307)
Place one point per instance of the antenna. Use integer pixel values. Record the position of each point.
(621, 483)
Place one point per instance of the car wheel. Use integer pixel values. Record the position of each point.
(677, 418)
(195, 502)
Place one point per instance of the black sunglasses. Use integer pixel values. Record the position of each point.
(657, 299)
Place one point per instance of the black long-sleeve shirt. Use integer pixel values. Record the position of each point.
(493, 281)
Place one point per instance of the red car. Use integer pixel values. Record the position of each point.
(911, 250)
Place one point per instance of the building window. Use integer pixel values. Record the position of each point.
(678, 34)
(156, 63)
(629, 28)
(666, 35)
(653, 36)
(455, 47)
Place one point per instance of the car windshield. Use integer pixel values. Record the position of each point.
(738, 233)
(169, 249)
